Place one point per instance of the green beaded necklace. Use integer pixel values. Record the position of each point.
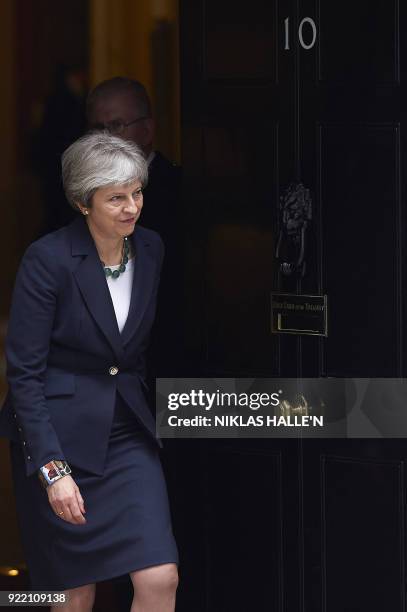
(124, 261)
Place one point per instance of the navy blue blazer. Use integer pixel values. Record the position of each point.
(66, 357)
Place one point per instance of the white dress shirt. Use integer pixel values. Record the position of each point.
(120, 290)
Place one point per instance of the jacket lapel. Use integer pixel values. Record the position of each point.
(91, 280)
(145, 271)
(92, 283)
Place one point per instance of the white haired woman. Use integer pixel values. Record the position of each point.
(90, 492)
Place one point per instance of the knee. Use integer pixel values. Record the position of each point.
(157, 579)
(171, 577)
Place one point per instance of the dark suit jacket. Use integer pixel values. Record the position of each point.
(162, 200)
(63, 340)
(162, 212)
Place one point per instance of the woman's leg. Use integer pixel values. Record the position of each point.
(155, 588)
(80, 599)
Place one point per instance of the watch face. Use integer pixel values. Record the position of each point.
(52, 473)
(49, 471)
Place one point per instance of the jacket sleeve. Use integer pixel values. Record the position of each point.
(27, 345)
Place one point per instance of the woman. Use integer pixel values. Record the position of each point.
(76, 413)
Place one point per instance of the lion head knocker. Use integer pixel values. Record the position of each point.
(296, 213)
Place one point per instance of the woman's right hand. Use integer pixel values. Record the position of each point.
(64, 496)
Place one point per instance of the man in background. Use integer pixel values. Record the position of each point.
(122, 106)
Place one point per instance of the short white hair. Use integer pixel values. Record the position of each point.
(97, 160)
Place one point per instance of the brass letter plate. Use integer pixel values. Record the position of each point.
(299, 314)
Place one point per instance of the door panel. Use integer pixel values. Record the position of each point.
(240, 43)
(244, 517)
(354, 525)
(361, 260)
(350, 532)
(240, 187)
(359, 42)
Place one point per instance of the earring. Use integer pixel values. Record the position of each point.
(85, 212)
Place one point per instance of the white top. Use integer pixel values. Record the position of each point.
(120, 290)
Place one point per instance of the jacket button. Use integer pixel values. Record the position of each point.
(24, 442)
(19, 429)
(15, 415)
(113, 371)
(28, 456)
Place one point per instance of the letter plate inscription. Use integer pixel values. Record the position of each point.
(299, 314)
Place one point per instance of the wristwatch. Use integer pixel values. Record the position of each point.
(53, 471)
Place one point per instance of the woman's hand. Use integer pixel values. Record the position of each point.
(64, 496)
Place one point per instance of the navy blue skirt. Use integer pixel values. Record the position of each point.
(127, 512)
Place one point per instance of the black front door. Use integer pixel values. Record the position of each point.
(306, 96)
